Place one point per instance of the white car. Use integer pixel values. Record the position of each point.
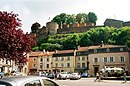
(17, 74)
(63, 75)
(27, 81)
(75, 76)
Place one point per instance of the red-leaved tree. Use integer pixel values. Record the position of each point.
(14, 44)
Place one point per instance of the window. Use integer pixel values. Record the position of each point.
(6, 61)
(68, 64)
(33, 83)
(41, 66)
(122, 59)
(95, 59)
(121, 49)
(34, 59)
(107, 50)
(49, 83)
(56, 64)
(111, 59)
(79, 58)
(78, 65)
(41, 60)
(95, 51)
(62, 58)
(47, 59)
(62, 64)
(105, 59)
(34, 65)
(68, 58)
(56, 58)
(47, 65)
(83, 58)
(83, 65)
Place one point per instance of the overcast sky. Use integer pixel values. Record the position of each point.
(31, 11)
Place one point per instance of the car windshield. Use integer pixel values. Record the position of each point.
(63, 73)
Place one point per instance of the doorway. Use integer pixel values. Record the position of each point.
(96, 69)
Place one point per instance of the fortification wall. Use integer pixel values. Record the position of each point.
(73, 30)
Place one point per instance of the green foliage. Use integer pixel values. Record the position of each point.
(128, 43)
(92, 17)
(35, 48)
(70, 19)
(94, 36)
(49, 46)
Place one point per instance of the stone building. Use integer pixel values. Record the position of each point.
(88, 59)
(113, 23)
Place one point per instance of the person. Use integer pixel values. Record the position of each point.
(97, 77)
(125, 76)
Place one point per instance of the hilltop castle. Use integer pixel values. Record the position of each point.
(53, 28)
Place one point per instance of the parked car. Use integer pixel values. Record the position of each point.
(27, 81)
(51, 76)
(17, 74)
(84, 75)
(43, 74)
(63, 75)
(75, 76)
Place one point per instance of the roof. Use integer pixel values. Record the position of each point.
(64, 51)
(105, 46)
(33, 54)
(112, 20)
(83, 48)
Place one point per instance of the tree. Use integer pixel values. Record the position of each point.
(14, 44)
(81, 17)
(92, 17)
(62, 18)
(35, 27)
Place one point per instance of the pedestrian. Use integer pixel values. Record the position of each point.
(124, 76)
(97, 77)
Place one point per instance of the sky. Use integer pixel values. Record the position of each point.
(43, 11)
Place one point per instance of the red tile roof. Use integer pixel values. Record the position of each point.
(32, 54)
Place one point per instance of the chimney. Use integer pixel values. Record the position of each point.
(44, 51)
(55, 51)
(102, 44)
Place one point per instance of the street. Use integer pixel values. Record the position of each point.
(90, 82)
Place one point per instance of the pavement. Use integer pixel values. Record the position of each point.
(116, 81)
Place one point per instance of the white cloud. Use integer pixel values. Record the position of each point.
(5, 7)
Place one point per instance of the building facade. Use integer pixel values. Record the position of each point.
(90, 59)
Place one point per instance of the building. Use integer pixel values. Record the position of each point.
(113, 23)
(108, 56)
(81, 60)
(64, 61)
(90, 59)
(40, 61)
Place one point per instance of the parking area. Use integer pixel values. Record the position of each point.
(90, 82)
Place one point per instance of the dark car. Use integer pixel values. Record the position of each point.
(84, 75)
(27, 81)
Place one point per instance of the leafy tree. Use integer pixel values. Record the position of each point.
(81, 17)
(49, 46)
(71, 42)
(14, 44)
(128, 43)
(35, 27)
(85, 40)
(92, 17)
(62, 18)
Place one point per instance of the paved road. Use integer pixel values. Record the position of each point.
(90, 82)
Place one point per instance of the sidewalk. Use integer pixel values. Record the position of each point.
(116, 81)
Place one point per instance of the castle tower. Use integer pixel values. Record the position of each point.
(51, 27)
